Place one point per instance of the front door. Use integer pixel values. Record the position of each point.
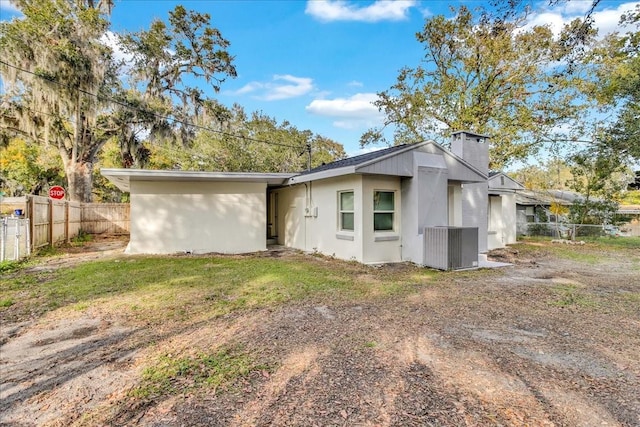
(272, 215)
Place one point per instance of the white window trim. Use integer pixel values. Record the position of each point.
(340, 212)
(393, 212)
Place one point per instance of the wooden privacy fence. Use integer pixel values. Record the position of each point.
(105, 218)
(52, 221)
(57, 221)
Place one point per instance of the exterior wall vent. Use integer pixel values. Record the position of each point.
(450, 248)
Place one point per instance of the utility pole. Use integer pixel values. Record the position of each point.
(309, 154)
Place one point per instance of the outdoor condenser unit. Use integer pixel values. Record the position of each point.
(451, 248)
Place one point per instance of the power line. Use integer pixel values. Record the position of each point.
(156, 115)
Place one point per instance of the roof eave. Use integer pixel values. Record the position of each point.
(329, 173)
(123, 177)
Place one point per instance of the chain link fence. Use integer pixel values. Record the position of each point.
(14, 239)
(567, 231)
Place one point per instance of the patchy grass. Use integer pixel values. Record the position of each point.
(607, 242)
(589, 253)
(570, 295)
(171, 375)
(81, 238)
(631, 198)
(10, 266)
(616, 242)
(154, 288)
(48, 251)
(165, 313)
(6, 302)
(575, 253)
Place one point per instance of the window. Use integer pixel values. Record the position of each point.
(346, 210)
(383, 207)
(529, 212)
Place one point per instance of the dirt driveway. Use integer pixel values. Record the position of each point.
(547, 341)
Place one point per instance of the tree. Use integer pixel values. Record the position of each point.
(602, 168)
(255, 143)
(619, 69)
(553, 174)
(599, 176)
(486, 76)
(64, 87)
(53, 66)
(28, 168)
(163, 57)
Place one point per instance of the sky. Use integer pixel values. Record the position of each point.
(319, 64)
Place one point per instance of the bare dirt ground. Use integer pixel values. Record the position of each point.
(545, 342)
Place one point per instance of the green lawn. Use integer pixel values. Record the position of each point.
(180, 292)
(158, 287)
(177, 287)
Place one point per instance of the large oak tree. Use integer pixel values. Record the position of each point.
(53, 68)
(63, 86)
(490, 76)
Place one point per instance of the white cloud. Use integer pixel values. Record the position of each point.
(282, 86)
(249, 87)
(364, 150)
(340, 10)
(111, 39)
(355, 83)
(576, 6)
(605, 20)
(300, 86)
(355, 112)
(555, 21)
(7, 6)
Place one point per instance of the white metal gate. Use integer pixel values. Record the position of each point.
(14, 239)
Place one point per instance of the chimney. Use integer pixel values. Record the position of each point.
(473, 148)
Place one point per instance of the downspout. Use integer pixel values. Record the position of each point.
(308, 209)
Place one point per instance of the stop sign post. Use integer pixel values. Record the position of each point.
(56, 192)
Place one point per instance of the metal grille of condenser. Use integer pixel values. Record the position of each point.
(450, 248)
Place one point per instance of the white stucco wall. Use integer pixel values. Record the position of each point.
(308, 217)
(496, 224)
(509, 219)
(502, 221)
(454, 196)
(474, 211)
(424, 204)
(381, 246)
(199, 217)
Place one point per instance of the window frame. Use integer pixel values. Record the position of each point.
(384, 211)
(342, 211)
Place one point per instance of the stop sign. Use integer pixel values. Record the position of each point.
(56, 192)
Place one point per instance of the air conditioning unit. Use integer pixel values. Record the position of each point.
(450, 248)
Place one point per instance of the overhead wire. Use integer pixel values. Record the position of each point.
(156, 115)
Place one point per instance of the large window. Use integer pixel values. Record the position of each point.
(383, 209)
(346, 210)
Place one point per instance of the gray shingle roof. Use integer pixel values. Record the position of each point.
(356, 160)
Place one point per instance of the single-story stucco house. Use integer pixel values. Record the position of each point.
(372, 208)
(534, 207)
(502, 210)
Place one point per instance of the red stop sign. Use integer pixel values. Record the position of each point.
(56, 192)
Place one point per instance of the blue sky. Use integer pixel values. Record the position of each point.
(319, 64)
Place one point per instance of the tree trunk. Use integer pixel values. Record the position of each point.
(80, 181)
